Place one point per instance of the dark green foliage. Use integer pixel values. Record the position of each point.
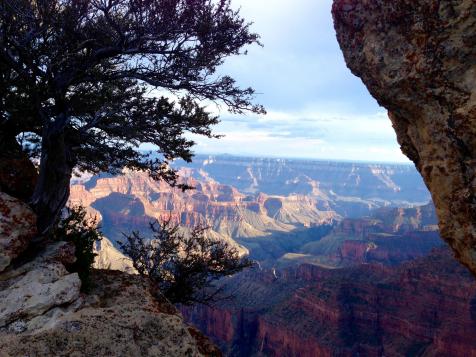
(184, 266)
(77, 82)
(83, 232)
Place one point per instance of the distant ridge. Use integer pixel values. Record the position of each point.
(283, 176)
(202, 155)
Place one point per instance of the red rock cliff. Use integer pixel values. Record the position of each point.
(424, 307)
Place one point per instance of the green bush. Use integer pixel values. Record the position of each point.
(83, 231)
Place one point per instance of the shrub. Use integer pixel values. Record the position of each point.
(83, 231)
(184, 266)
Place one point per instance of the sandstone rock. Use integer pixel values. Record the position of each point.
(416, 57)
(17, 228)
(38, 291)
(108, 257)
(120, 317)
(39, 285)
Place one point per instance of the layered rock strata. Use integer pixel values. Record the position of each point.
(417, 58)
(426, 307)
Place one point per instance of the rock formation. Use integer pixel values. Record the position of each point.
(110, 258)
(38, 286)
(390, 236)
(119, 317)
(17, 228)
(266, 226)
(44, 314)
(426, 307)
(325, 180)
(132, 200)
(416, 57)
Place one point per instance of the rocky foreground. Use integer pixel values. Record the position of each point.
(43, 312)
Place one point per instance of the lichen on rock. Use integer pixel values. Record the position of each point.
(119, 317)
(43, 313)
(17, 228)
(417, 58)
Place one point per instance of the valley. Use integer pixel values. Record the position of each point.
(350, 261)
(266, 207)
(418, 308)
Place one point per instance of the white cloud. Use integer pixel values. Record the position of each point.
(316, 107)
(308, 135)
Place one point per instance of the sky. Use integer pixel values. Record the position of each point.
(315, 107)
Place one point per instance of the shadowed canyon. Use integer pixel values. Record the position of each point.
(350, 258)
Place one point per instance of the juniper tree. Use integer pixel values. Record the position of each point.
(184, 266)
(80, 81)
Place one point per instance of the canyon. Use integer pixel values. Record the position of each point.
(276, 207)
(351, 259)
(383, 285)
(335, 181)
(424, 307)
(370, 277)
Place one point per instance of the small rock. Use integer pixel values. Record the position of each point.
(18, 326)
(72, 326)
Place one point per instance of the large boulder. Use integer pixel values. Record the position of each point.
(418, 59)
(17, 228)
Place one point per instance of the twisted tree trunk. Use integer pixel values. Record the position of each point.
(52, 189)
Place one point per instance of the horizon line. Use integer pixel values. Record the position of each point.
(273, 157)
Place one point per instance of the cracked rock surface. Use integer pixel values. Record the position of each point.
(119, 317)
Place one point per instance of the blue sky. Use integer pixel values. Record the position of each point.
(316, 107)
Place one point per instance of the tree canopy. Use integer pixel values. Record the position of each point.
(80, 81)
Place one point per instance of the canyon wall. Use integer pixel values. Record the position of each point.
(389, 236)
(417, 58)
(383, 285)
(276, 206)
(332, 179)
(132, 200)
(426, 307)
